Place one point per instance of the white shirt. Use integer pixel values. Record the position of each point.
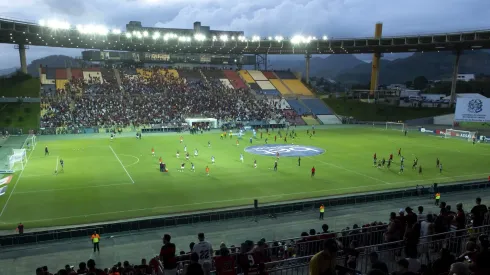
(204, 250)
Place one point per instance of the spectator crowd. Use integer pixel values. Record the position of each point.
(409, 243)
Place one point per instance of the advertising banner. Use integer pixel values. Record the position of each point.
(472, 110)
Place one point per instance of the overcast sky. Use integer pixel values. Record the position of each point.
(335, 18)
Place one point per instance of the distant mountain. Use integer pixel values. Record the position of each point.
(7, 72)
(328, 67)
(433, 65)
(53, 61)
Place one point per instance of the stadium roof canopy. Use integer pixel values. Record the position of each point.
(203, 40)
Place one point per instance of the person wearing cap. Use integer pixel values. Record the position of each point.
(322, 211)
(95, 241)
(324, 262)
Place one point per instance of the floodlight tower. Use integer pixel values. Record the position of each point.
(378, 30)
(22, 54)
(307, 63)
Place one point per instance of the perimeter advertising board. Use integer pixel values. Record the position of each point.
(472, 110)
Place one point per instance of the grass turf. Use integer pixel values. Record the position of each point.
(96, 185)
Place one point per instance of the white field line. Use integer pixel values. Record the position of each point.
(122, 165)
(16, 182)
(352, 171)
(235, 200)
(56, 166)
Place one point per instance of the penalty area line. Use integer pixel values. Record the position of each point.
(122, 165)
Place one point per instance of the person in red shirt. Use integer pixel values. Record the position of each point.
(167, 256)
(225, 264)
(313, 171)
(155, 264)
(391, 156)
(258, 255)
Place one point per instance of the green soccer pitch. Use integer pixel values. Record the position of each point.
(106, 180)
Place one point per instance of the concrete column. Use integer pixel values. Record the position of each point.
(307, 63)
(378, 31)
(454, 79)
(23, 60)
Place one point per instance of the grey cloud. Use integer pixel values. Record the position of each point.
(71, 8)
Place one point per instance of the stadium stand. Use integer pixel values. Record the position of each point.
(235, 79)
(310, 120)
(190, 74)
(285, 75)
(267, 88)
(76, 73)
(293, 118)
(46, 81)
(60, 83)
(257, 75)
(50, 73)
(213, 73)
(108, 75)
(297, 106)
(226, 83)
(316, 106)
(329, 119)
(297, 87)
(90, 76)
(246, 76)
(61, 74)
(280, 87)
(255, 87)
(269, 75)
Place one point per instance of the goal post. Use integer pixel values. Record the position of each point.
(468, 135)
(18, 159)
(30, 143)
(399, 126)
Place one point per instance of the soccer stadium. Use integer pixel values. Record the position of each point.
(239, 168)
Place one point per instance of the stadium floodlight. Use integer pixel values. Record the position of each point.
(223, 38)
(215, 38)
(138, 35)
(233, 38)
(242, 38)
(299, 39)
(279, 38)
(156, 35)
(269, 38)
(184, 39)
(255, 38)
(169, 36)
(128, 35)
(93, 29)
(55, 24)
(199, 37)
(116, 31)
(325, 37)
(145, 34)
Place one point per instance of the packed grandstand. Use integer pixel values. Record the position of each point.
(128, 96)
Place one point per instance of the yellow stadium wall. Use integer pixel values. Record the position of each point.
(297, 87)
(246, 76)
(280, 87)
(60, 83)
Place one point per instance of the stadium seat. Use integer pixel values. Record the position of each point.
(285, 75)
(91, 75)
(255, 87)
(317, 106)
(235, 79)
(280, 86)
(297, 87)
(293, 118)
(246, 76)
(269, 75)
(61, 74)
(257, 75)
(60, 83)
(191, 75)
(215, 74)
(310, 120)
(226, 83)
(299, 108)
(50, 73)
(76, 73)
(108, 75)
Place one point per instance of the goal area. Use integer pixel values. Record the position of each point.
(452, 133)
(399, 126)
(17, 159)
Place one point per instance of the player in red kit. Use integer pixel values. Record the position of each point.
(275, 138)
(400, 152)
(391, 156)
(313, 171)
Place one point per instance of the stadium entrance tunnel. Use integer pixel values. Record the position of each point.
(285, 150)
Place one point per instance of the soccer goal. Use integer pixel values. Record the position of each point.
(468, 135)
(30, 143)
(18, 159)
(395, 126)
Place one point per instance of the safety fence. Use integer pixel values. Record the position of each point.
(247, 212)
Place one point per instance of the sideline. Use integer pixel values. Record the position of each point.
(121, 164)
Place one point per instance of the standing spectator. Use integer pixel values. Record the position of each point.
(167, 256)
(95, 241)
(20, 228)
(194, 268)
(421, 216)
(411, 217)
(324, 262)
(460, 217)
(478, 211)
(376, 263)
(225, 264)
(205, 252)
(426, 229)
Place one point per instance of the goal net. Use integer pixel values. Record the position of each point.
(18, 159)
(29, 143)
(468, 135)
(395, 126)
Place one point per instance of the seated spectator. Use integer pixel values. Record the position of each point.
(324, 262)
(470, 252)
(143, 268)
(82, 268)
(194, 268)
(225, 264)
(443, 263)
(93, 269)
(459, 269)
(403, 268)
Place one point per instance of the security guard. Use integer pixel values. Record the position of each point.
(437, 197)
(322, 211)
(95, 240)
